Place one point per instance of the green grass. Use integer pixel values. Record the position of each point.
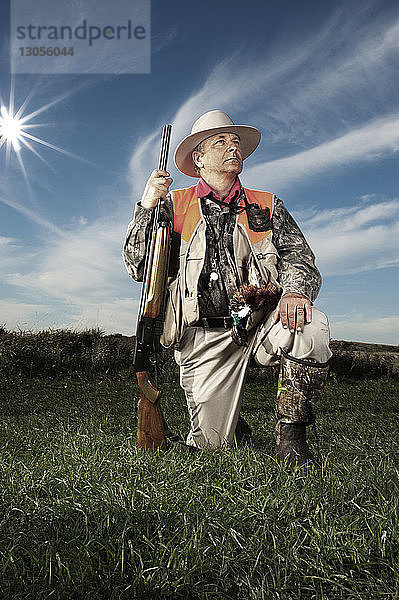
(83, 514)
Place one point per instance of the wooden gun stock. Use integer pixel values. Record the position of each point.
(151, 426)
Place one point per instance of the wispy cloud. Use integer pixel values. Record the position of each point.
(360, 328)
(346, 77)
(8, 260)
(32, 215)
(77, 281)
(375, 140)
(84, 265)
(114, 316)
(21, 315)
(160, 41)
(302, 93)
(355, 238)
(5, 241)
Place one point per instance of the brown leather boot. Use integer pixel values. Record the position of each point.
(300, 386)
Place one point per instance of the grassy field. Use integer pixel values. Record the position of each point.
(83, 514)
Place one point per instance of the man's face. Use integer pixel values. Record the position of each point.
(220, 154)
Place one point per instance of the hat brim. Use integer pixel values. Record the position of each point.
(249, 139)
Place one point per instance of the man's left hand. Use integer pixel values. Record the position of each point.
(294, 310)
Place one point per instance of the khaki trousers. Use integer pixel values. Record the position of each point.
(213, 370)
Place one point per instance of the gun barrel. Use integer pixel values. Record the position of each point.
(165, 143)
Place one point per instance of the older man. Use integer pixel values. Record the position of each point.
(241, 285)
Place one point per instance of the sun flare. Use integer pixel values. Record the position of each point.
(11, 131)
(15, 125)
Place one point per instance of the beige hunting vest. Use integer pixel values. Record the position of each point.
(255, 255)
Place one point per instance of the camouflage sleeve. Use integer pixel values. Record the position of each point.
(296, 264)
(138, 232)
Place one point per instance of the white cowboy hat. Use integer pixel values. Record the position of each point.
(211, 123)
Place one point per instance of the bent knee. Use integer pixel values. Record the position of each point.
(313, 342)
(319, 321)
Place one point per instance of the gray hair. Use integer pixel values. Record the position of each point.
(198, 148)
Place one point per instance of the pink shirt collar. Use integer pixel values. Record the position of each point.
(203, 189)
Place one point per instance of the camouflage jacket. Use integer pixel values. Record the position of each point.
(286, 259)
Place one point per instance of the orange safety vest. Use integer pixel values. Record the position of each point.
(186, 212)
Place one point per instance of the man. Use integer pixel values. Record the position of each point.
(233, 245)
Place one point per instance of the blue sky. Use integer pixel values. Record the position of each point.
(320, 81)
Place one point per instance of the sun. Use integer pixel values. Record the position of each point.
(14, 135)
(11, 131)
(15, 125)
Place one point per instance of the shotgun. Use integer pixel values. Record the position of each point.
(152, 429)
